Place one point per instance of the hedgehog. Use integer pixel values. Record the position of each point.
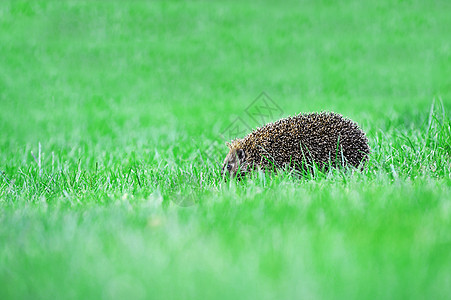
(324, 140)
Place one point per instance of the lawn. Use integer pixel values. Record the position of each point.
(114, 117)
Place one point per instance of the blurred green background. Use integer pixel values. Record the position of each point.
(117, 71)
(124, 97)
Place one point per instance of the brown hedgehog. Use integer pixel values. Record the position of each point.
(300, 142)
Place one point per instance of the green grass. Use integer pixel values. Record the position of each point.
(108, 108)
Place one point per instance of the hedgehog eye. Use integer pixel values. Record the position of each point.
(229, 167)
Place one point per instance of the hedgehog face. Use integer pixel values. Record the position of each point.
(233, 162)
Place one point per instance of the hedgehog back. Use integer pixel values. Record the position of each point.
(328, 139)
